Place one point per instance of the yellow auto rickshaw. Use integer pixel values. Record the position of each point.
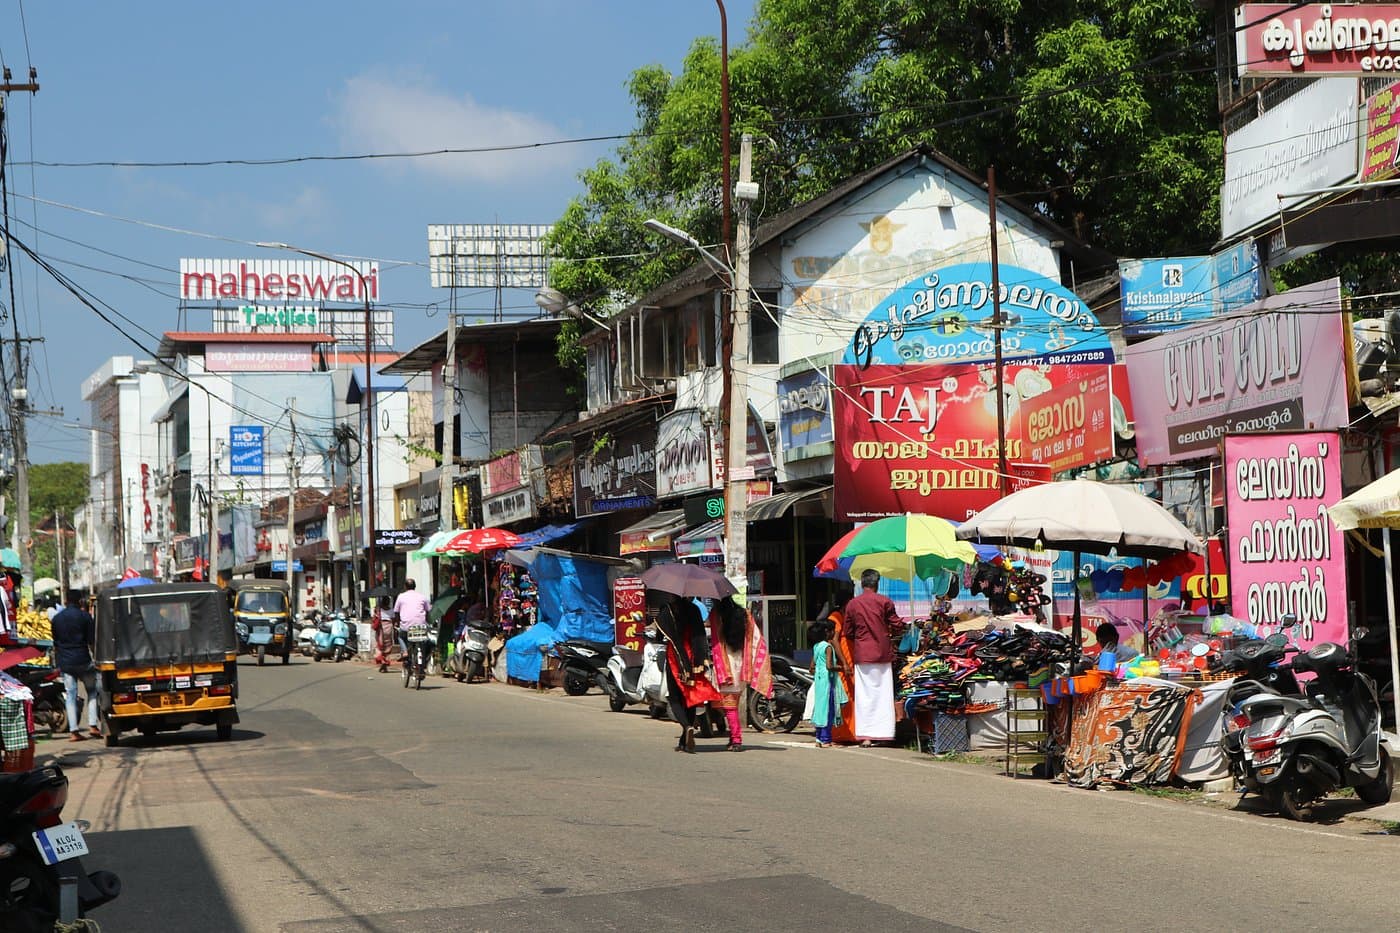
(167, 655)
(262, 617)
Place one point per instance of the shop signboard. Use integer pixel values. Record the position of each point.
(349, 529)
(804, 414)
(513, 506)
(630, 611)
(510, 471)
(1286, 556)
(618, 473)
(280, 566)
(258, 357)
(1306, 141)
(945, 316)
(1274, 40)
(1162, 294)
(924, 438)
(245, 450)
(429, 503)
(277, 280)
(396, 538)
(1382, 129)
(682, 454)
(1238, 279)
(1276, 369)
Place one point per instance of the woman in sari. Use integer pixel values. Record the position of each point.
(687, 666)
(740, 658)
(844, 730)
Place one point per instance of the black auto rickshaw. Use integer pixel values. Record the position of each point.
(262, 617)
(168, 657)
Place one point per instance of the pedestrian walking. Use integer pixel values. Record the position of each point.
(828, 689)
(870, 619)
(73, 636)
(687, 665)
(741, 663)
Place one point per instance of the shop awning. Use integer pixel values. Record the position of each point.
(163, 412)
(652, 533)
(763, 510)
(704, 541)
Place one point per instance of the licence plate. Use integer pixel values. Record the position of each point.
(60, 843)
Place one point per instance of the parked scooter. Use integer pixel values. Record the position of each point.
(46, 683)
(1259, 668)
(472, 649)
(638, 676)
(332, 639)
(783, 710)
(1303, 748)
(42, 881)
(584, 665)
(306, 632)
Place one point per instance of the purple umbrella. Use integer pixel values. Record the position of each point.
(688, 580)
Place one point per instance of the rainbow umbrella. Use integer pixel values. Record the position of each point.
(902, 547)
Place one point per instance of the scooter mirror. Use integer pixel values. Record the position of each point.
(1277, 640)
(1200, 650)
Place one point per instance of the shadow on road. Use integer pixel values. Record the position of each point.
(168, 881)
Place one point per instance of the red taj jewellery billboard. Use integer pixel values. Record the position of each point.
(1305, 40)
(924, 438)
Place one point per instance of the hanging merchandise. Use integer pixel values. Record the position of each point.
(1009, 587)
(517, 598)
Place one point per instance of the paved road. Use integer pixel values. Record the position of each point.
(346, 803)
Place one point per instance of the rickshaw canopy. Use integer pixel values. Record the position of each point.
(163, 623)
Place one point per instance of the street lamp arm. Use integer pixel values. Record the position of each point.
(685, 239)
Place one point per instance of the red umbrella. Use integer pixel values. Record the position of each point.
(479, 540)
(827, 566)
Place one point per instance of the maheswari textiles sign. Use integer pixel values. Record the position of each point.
(1286, 556)
(276, 280)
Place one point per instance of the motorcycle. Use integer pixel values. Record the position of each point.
(50, 706)
(422, 644)
(1303, 748)
(638, 676)
(1259, 669)
(332, 639)
(471, 651)
(584, 665)
(783, 710)
(306, 632)
(41, 875)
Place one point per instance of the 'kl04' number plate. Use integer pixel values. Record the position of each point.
(60, 843)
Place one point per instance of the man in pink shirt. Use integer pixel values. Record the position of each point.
(411, 608)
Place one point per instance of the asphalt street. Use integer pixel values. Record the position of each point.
(347, 803)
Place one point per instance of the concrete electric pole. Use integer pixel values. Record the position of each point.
(736, 537)
(447, 474)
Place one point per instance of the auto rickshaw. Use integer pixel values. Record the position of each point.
(262, 617)
(168, 657)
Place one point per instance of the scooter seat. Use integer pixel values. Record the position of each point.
(598, 647)
(630, 657)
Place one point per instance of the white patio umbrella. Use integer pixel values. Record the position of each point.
(1082, 516)
(1377, 505)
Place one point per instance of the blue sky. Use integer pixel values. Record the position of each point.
(160, 81)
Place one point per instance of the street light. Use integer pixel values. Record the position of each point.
(553, 301)
(368, 405)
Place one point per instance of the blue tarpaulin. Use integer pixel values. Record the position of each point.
(523, 652)
(547, 534)
(574, 596)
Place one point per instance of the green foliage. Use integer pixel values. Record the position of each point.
(1371, 279)
(61, 487)
(1100, 114)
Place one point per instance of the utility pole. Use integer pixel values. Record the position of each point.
(448, 473)
(18, 393)
(736, 532)
(291, 504)
(62, 566)
(1004, 474)
(214, 523)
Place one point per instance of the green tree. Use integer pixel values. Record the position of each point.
(54, 487)
(1101, 114)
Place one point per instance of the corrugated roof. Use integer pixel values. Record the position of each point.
(434, 349)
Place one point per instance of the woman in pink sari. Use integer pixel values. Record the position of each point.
(740, 658)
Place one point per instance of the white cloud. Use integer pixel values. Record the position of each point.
(375, 113)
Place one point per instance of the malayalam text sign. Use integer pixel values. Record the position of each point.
(1286, 556)
(629, 611)
(1302, 40)
(258, 357)
(1278, 369)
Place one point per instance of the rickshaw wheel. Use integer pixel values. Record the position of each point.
(224, 731)
(262, 654)
(286, 657)
(109, 736)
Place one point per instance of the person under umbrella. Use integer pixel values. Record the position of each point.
(870, 620)
(687, 664)
(741, 661)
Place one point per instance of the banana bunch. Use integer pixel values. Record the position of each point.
(33, 624)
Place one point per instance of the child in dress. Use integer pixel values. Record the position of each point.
(828, 692)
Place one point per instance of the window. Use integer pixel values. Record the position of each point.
(160, 618)
(764, 315)
(264, 601)
(600, 375)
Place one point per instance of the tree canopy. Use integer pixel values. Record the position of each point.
(53, 487)
(1102, 114)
